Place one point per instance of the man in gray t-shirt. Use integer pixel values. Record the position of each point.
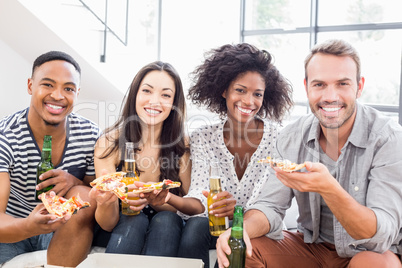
(349, 195)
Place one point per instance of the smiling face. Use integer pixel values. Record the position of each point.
(54, 87)
(332, 90)
(155, 98)
(244, 97)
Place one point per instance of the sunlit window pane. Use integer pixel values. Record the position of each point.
(289, 51)
(273, 14)
(296, 112)
(394, 116)
(342, 12)
(380, 53)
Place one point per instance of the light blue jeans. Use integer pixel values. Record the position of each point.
(35, 243)
(159, 236)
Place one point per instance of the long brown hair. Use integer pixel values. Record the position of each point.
(172, 139)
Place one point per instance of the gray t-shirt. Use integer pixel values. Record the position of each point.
(327, 217)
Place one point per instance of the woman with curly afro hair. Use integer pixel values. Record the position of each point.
(241, 84)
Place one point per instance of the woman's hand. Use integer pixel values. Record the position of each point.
(154, 198)
(223, 205)
(102, 197)
(136, 203)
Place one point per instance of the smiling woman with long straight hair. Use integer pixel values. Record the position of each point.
(152, 118)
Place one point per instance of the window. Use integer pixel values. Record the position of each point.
(380, 53)
(289, 28)
(345, 12)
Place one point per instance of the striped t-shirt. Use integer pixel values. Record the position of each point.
(20, 154)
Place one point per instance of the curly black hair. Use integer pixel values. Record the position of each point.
(226, 63)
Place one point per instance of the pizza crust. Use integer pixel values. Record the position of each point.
(283, 164)
(165, 184)
(112, 182)
(61, 207)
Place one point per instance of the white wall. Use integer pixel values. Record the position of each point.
(103, 85)
(14, 74)
(23, 37)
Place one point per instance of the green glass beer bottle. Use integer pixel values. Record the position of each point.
(44, 165)
(237, 257)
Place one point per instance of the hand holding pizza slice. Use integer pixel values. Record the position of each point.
(61, 207)
(165, 184)
(284, 164)
(112, 182)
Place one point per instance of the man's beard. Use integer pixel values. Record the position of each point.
(349, 109)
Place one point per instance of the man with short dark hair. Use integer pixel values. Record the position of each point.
(349, 197)
(25, 225)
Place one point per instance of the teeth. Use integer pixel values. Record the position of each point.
(331, 109)
(55, 107)
(152, 111)
(247, 111)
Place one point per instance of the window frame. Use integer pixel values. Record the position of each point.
(314, 29)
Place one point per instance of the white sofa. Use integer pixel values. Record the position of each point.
(38, 258)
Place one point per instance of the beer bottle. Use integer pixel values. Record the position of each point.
(237, 257)
(130, 177)
(44, 165)
(217, 225)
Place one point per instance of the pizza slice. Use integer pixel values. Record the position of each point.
(165, 184)
(283, 164)
(60, 206)
(112, 182)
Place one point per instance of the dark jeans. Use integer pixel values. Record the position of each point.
(35, 243)
(137, 235)
(163, 235)
(196, 240)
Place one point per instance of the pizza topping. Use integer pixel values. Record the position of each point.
(115, 182)
(283, 164)
(165, 184)
(112, 182)
(60, 207)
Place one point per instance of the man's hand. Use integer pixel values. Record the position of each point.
(62, 181)
(39, 221)
(358, 220)
(223, 205)
(223, 249)
(317, 179)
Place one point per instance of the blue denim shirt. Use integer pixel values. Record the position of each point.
(369, 169)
